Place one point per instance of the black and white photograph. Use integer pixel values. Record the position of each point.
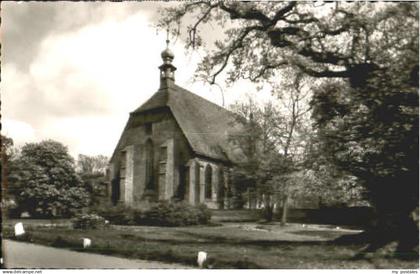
(140, 135)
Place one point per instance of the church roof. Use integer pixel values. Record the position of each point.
(204, 124)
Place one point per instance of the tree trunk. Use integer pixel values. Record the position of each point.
(392, 228)
(397, 218)
(268, 208)
(408, 238)
(284, 211)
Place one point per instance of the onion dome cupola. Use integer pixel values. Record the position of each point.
(167, 75)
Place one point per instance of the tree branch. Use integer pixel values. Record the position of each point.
(249, 14)
(192, 32)
(255, 14)
(267, 68)
(324, 73)
(324, 57)
(280, 13)
(237, 44)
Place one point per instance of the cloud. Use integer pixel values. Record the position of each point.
(81, 84)
(25, 25)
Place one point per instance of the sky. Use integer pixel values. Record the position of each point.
(72, 71)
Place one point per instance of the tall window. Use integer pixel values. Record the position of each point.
(149, 165)
(115, 188)
(162, 165)
(184, 179)
(123, 163)
(207, 181)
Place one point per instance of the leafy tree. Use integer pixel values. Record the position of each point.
(8, 155)
(332, 186)
(294, 130)
(273, 143)
(92, 164)
(47, 181)
(258, 141)
(6, 145)
(369, 122)
(92, 170)
(6, 151)
(375, 138)
(277, 142)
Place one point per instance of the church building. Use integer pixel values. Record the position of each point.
(174, 147)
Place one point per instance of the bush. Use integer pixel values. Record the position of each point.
(237, 202)
(158, 214)
(88, 221)
(267, 213)
(117, 215)
(11, 208)
(173, 214)
(204, 214)
(61, 242)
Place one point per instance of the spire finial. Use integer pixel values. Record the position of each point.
(167, 37)
(167, 69)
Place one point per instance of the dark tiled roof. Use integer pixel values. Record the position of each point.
(204, 124)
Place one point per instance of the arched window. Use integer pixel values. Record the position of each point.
(149, 165)
(207, 181)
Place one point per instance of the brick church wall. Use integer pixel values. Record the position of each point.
(164, 132)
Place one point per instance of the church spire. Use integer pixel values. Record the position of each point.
(167, 75)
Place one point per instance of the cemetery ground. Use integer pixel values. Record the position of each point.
(229, 245)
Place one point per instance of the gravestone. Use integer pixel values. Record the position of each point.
(201, 258)
(19, 229)
(86, 242)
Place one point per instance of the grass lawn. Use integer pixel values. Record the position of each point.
(231, 245)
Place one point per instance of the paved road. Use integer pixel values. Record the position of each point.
(24, 255)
